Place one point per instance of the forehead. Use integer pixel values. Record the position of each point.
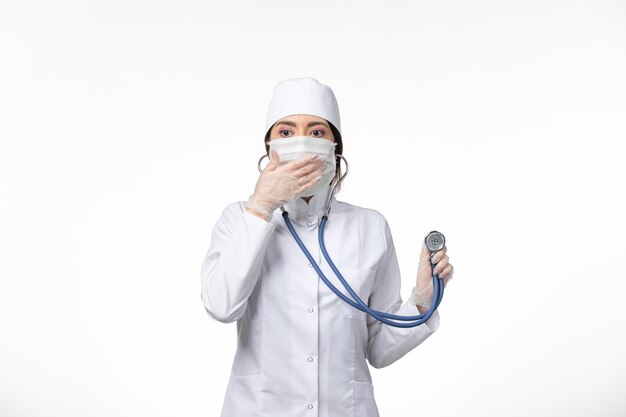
(302, 118)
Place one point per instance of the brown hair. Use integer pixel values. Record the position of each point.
(338, 151)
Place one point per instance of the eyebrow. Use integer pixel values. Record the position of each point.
(293, 124)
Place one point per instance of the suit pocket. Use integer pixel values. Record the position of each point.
(242, 396)
(365, 404)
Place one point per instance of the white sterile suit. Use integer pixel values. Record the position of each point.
(301, 350)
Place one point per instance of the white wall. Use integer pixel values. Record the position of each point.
(126, 127)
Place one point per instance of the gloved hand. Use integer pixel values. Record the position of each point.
(422, 293)
(281, 183)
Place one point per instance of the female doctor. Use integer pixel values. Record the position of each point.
(301, 350)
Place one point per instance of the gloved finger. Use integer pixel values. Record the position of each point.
(309, 177)
(296, 164)
(312, 165)
(436, 257)
(440, 266)
(274, 161)
(309, 184)
(446, 274)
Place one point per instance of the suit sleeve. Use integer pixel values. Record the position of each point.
(231, 266)
(386, 344)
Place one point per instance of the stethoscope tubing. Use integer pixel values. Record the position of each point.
(437, 283)
(359, 304)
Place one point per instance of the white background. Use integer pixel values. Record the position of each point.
(126, 127)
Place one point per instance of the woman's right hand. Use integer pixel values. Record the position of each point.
(281, 183)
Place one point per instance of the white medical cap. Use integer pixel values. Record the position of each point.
(302, 95)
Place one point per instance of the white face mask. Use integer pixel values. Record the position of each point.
(296, 147)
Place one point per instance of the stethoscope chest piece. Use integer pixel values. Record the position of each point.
(435, 241)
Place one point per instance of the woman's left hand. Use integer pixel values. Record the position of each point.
(443, 269)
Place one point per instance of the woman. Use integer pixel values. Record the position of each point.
(301, 349)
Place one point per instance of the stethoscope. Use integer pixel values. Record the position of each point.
(434, 241)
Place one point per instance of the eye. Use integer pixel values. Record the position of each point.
(321, 133)
(280, 132)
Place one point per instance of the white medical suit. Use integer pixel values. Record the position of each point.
(301, 350)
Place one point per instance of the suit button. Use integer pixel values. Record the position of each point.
(310, 406)
(310, 359)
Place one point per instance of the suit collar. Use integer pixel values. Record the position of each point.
(308, 213)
